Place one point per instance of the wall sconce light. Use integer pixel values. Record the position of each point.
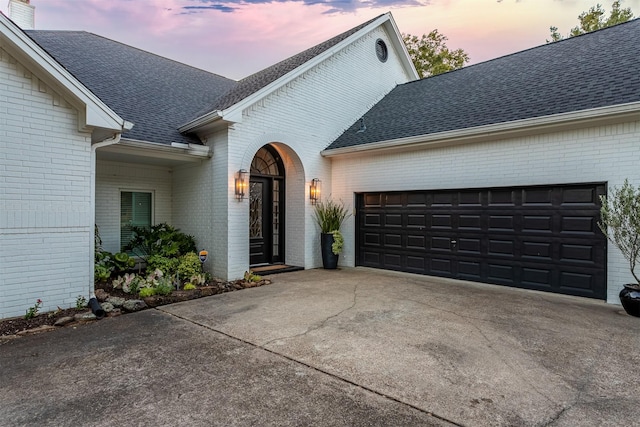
(241, 184)
(315, 190)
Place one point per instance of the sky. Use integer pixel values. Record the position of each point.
(235, 38)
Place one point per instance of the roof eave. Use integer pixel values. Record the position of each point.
(536, 125)
(233, 114)
(96, 114)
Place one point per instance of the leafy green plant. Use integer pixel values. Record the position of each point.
(189, 265)
(164, 286)
(33, 311)
(338, 242)
(122, 261)
(101, 273)
(160, 239)
(146, 292)
(250, 276)
(330, 215)
(620, 222)
(129, 283)
(198, 279)
(168, 266)
(189, 287)
(81, 302)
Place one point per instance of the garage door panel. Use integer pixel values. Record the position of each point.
(537, 197)
(470, 198)
(537, 277)
(578, 224)
(393, 220)
(537, 223)
(393, 240)
(441, 221)
(372, 220)
(372, 239)
(416, 220)
(442, 266)
(543, 238)
(416, 242)
(470, 246)
(372, 200)
(582, 196)
(470, 222)
(501, 197)
(501, 222)
(542, 251)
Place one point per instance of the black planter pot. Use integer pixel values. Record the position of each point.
(630, 299)
(329, 259)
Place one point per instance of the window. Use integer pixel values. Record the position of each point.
(381, 50)
(135, 211)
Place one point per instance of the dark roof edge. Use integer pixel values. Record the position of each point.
(563, 121)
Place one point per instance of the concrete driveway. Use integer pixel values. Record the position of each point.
(347, 347)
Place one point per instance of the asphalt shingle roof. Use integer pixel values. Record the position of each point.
(253, 83)
(593, 70)
(157, 94)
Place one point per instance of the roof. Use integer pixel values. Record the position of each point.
(92, 111)
(593, 70)
(156, 94)
(253, 83)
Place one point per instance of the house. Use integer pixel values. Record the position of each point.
(490, 173)
(171, 152)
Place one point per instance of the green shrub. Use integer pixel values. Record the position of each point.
(160, 239)
(146, 292)
(189, 287)
(164, 286)
(189, 265)
(168, 266)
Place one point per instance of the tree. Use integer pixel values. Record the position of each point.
(431, 56)
(594, 20)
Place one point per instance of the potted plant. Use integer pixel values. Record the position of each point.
(620, 223)
(330, 215)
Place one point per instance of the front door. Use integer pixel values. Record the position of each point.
(259, 220)
(266, 214)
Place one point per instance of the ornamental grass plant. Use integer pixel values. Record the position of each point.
(330, 215)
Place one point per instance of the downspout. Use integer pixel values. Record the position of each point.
(104, 143)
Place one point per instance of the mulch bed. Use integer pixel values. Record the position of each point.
(19, 325)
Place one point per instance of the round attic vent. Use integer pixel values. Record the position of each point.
(381, 50)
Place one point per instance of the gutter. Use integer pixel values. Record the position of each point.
(495, 131)
(104, 143)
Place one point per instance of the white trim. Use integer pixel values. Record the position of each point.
(96, 112)
(593, 116)
(233, 114)
(191, 150)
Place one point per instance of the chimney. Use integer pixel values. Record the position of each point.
(22, 13)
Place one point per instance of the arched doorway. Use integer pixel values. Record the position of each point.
(266, 208)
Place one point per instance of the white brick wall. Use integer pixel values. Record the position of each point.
(114, 177)
(597, 154)
(301, 120)
(45, 198)
(197, 210)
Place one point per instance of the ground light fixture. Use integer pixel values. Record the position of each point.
(241, 184)
(315, 190)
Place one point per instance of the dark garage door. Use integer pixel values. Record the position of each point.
(543, 238)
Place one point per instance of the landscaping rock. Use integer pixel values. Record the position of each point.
(42, 328)
(134, 305)
(85, 316)
(115, 312)
(101, 295)
(64, 321)
(107, 307)
(116, 301)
